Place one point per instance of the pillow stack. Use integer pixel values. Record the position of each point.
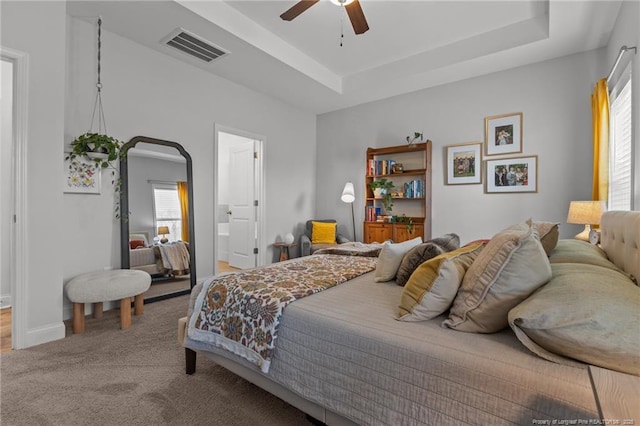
(390, 258)
(511, 267)
(434, 284)
(423, 252)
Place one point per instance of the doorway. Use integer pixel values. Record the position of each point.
(239, 200)
(6, 204)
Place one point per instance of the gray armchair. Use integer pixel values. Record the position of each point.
(306, 248)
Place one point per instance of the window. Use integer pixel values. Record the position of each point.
(620, 154)
(166, 210)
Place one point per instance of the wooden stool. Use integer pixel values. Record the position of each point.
(284, 250)
(98, 287)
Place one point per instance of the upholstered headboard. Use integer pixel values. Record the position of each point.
(620, 239)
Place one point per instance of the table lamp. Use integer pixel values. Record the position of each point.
(163, 230)
(585, 213)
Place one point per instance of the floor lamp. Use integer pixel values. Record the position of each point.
(348, 196)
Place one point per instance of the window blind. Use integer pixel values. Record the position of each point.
(167, 212)
(620, 167)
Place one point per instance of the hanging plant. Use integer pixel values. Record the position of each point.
(99, 147)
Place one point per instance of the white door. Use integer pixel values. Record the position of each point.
(242, 220)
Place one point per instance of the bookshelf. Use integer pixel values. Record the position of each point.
(411, 194)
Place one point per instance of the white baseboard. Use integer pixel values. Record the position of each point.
(44, 334)
(5, 302)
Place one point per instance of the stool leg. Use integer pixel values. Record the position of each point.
(97, 310)
(78, 318)
(138, 305)
(125, 313)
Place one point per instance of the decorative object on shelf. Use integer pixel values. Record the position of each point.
(349, 196)
(163, 230)
(416, 135)
(81, 176)
(289, 238)
(464, 163)
(397, 168)
(382, 189)
(98, 147)
(594, 236)
(408, 221)
(585, 213)
(509, 175)
(503, 134)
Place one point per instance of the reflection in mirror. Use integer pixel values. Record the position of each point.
(157, 229)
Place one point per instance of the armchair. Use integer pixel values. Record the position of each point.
(307, 248)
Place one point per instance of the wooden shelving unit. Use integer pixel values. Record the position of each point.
(415, 199)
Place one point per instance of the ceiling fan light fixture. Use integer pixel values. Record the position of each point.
(342, 2)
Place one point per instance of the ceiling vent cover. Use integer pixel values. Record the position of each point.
(193, 45)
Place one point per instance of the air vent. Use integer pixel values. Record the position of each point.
(193, 45)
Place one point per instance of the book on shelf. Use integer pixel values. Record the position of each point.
(380, 167)
(414, 189)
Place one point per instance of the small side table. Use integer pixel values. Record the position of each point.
(284, 250)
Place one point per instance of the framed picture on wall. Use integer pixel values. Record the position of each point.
(507, 175)
(503, 134)
(464, 163)
(82, 176)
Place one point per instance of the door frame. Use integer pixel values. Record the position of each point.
(259, 186)
(18, 237)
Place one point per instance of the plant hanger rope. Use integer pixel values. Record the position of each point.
(102, 123)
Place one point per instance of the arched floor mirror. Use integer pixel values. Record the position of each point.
(156, 204)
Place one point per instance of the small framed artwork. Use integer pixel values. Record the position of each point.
(503, 134)
(506, 175)
(464, 163)
(82, 176)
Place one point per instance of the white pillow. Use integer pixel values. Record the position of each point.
(390, 258)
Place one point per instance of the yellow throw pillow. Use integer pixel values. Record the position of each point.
(434, 284)
(323, 233)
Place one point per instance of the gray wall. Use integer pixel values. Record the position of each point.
(145, 93)
(554, 97)
(38, 29)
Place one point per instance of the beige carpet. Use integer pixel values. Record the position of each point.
(108, 376)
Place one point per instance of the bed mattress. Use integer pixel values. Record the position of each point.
(343, 349)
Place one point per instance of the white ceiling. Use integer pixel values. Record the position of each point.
(411, 45)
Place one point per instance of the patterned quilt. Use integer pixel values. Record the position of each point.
(241, 312)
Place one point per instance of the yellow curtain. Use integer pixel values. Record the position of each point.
(600, 110)
(183, 195)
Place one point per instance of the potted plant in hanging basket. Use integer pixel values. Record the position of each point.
(382, 189)
(103, 150)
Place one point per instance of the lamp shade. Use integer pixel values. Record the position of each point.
(586, 212)
(162, 230)
(348, 193)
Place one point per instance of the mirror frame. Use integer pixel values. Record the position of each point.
(124, 211)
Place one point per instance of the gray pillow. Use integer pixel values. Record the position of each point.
(586, 313)
(423, 252)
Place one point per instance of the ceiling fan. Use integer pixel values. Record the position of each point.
(356, 15)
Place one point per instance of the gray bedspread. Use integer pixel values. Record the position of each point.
(343, 349)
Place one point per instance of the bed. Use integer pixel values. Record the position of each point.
(344, 358)
(167, 260)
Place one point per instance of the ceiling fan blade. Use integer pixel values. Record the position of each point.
(297, 9)
(356, 15)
